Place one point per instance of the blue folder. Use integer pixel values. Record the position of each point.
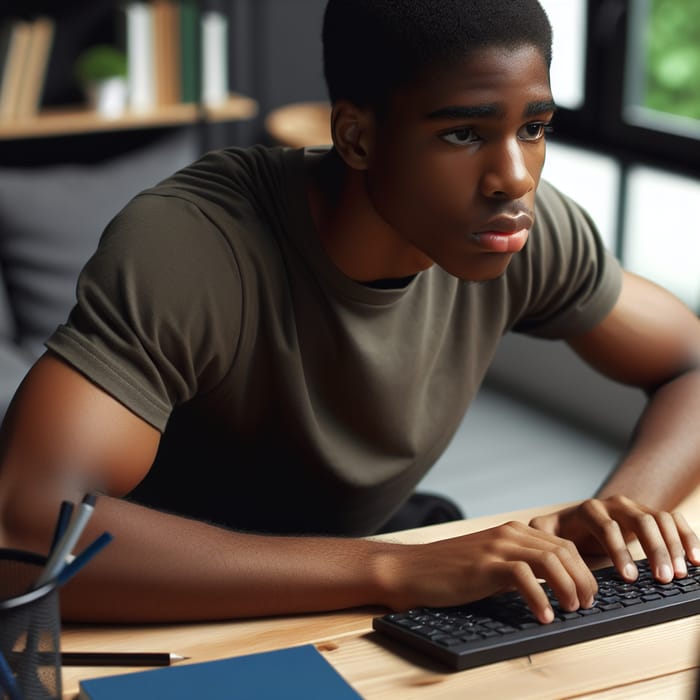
(295, 673)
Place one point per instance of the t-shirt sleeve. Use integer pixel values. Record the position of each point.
(568, 281)
(155, 305)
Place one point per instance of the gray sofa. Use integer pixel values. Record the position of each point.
(551, 377)
(50, 221)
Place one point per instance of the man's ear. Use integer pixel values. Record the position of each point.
(352, 129)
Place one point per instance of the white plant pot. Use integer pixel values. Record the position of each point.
(108, 97)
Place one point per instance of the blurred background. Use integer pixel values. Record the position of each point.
(626, 145)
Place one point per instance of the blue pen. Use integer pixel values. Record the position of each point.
(63, 548)
(8, 681)
(64, 514)
(83, 558)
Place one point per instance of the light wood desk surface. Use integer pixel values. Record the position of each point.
(657, 662)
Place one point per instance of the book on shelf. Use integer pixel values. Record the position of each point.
(190, 43)
(166, 50)
(18, 35)
(138, 37)
(215, 53)
(35, 67)
(294, 673)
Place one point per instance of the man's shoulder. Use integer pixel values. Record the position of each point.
(232, 169)
(232, 188)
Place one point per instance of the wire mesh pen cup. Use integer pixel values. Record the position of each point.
(30, 627)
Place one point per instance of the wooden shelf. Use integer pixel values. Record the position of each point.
(61, 122)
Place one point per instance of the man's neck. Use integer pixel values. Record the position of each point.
(355, 237)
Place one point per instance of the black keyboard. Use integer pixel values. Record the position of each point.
(502, 627)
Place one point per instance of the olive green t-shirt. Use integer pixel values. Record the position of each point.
(290, 397)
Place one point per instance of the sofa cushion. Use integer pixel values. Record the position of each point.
(14, 363)
(50, 221)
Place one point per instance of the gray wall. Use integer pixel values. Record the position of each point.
(276, 56)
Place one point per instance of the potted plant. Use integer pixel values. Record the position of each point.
(102, 71)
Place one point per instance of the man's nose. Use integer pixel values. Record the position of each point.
(506, 174)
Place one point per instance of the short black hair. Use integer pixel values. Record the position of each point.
(371, 48)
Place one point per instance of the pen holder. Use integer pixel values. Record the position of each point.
(30, 628)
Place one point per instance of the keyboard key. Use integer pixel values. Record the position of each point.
(470, 637)
(447, 641)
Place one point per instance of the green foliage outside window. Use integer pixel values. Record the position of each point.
(673, 58)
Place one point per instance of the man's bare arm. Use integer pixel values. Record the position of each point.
(63, 435)
(650, 340)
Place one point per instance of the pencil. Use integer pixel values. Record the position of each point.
(118, 658)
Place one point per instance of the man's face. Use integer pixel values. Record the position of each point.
(458, 157)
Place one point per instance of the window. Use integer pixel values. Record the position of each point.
(662, 71)
(593, 183)
(626, 142)
(568, 18)
(662, 236)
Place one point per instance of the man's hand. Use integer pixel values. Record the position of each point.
(467, 568)
(605, 526)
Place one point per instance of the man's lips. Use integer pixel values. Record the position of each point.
(501, 242)
(504, 234)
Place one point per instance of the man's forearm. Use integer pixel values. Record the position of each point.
(161, 567)
(662, 465)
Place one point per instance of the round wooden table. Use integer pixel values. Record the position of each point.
(300, 124)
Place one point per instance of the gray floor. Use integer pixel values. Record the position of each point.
(508, 455)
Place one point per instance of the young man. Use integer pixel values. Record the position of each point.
(271, 348)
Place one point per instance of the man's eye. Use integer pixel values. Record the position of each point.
(535, 131)
(460, 137)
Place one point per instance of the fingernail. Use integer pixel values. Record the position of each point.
(695, 554)
(665, 573)
(548, 615)
(629, 571)
(679, 565)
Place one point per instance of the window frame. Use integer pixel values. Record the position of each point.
(599, 123)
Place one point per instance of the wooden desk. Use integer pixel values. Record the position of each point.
(657, 662)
